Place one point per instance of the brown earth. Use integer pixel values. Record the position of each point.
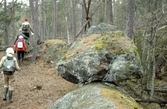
(37, 86)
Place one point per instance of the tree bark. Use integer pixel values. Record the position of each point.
(82, 17)
(73, 21)
(153, 73)
(87, 13)
(14, 31)
(110, 11)
(6, 38)
(42, 20)
(68, 33)
(130, 14)
(88, 21)
(54, 20)
(34, 14)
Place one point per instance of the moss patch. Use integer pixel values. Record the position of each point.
(53, 46)
(120, 100)
(87, 43)
(115, 42)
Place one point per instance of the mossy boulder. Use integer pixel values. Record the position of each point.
(96, 96)
(52, 50)
(106, 57)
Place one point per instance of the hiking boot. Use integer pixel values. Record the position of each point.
(10, 96)
(22, 59)
(5, 93)
(19, 62)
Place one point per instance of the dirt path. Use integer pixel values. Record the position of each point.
(36, 86)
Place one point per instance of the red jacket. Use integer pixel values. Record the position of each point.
(24, 45)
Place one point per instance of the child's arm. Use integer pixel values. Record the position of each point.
(16, 63)
(2, 60)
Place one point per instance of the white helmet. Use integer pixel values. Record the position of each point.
(10, 51)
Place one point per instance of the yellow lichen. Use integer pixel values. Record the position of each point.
(63, 57)
(114, 42)
(88, 41)
(120, 100)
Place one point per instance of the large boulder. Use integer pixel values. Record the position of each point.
(95, 96)
(109, 56)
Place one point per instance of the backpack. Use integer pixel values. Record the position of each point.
(25, 27)
(9, 66)
(20, 43)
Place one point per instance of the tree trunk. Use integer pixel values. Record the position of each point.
(106, 11)
(110, 11)
(54, 20)
(73, 21)
(14, 28)
(87, 13)
(153, 74)
(102, 12)
(68, 33)
(42, 20)
(130, 14)
(82, 16)
(34, 14)
(88, 20)
(6, 38)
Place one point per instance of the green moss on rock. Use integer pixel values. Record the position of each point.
(115, 42)
(120, 100)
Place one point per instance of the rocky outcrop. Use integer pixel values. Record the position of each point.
(103, 55)
(109, 56)
(52, 50)
(95, 96)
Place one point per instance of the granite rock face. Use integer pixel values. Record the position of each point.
(95, 96)
(102, 55)
(109, 56)
(52, 50)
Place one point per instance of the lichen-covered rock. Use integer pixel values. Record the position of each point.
(52, 50)
(95, 96)
(102, 28)
(110, 57)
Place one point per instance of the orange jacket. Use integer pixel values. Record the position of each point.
(24, 45)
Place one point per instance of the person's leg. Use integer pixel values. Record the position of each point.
(11, 87)
(5, 93)
(22, 56)
(6, 85)
(18, 56)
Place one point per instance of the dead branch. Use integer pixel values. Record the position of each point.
(164, 90)
(161, 102)
(82, 28)
(87, 17)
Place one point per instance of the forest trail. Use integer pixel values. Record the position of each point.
(37, 86)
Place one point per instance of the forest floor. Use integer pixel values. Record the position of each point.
(37, 86)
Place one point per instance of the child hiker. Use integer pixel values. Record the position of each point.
(9, 64)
